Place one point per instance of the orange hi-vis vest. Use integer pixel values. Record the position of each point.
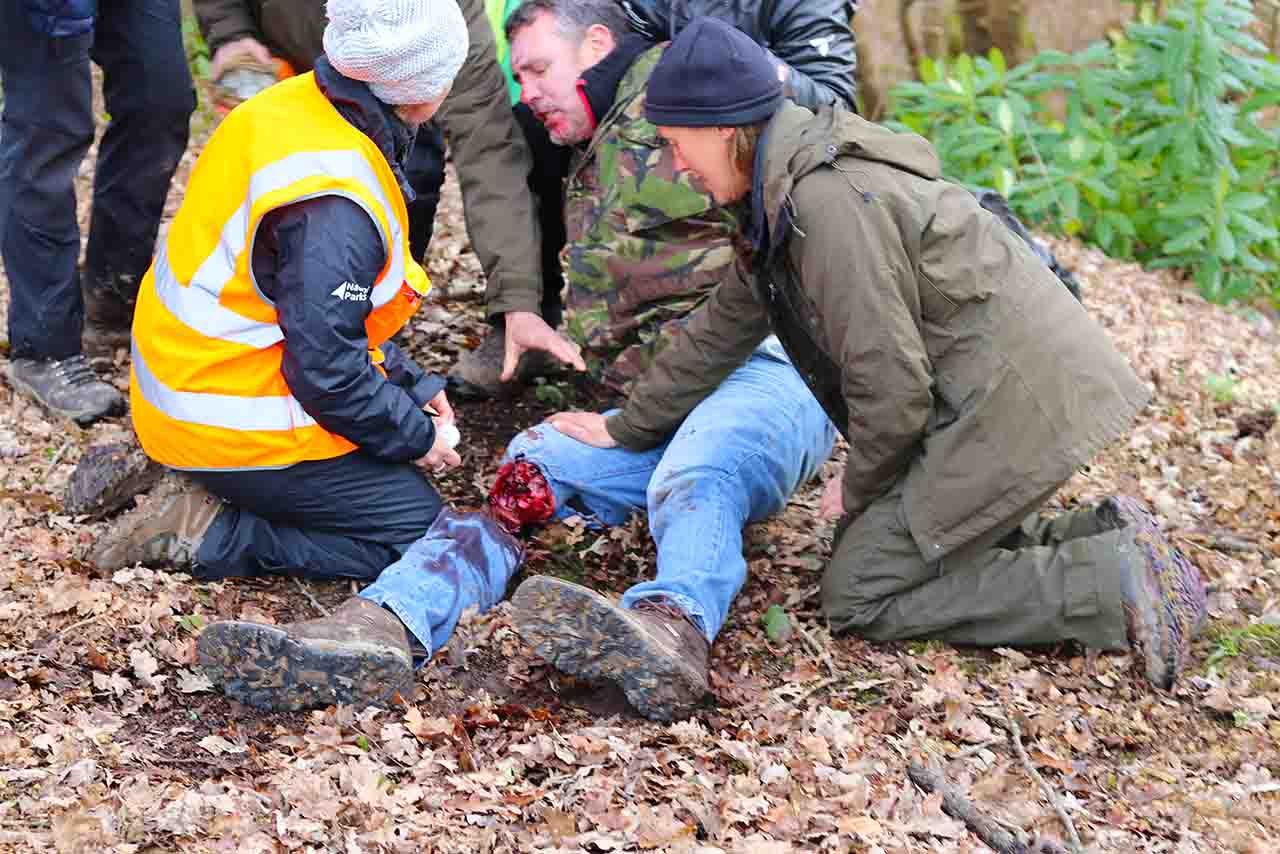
(207, 391)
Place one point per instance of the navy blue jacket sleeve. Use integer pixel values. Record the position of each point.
(405, 373)
(318, 260)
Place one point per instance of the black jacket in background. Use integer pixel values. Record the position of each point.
(302, 253)
(814, 37)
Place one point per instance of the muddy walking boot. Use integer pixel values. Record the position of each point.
(166, 531)
(66, 387)
(478, 374)
(1164, 596)
(359, 656)
(107, 479)
(654, 652)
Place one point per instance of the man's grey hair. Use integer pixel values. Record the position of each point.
(573, 17)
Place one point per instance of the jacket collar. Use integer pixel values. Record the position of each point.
(376, 120)
(598, 86)
(796, 142)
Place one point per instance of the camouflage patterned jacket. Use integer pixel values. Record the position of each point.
(645, 244)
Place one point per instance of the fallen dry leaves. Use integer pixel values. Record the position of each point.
(111, 739)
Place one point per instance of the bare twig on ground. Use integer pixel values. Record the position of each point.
(956, 805)
(306, 591)
(817, 648)
(977, 748)
(813, 689)
(1015, 736)
(798, 596)
(78, 624)
(48, 470)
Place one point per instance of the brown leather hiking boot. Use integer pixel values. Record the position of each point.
(1164, 596)
(166, 530)
(359, 656)
(654, 651)
(478, 374)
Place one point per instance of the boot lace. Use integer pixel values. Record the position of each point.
(74, 371)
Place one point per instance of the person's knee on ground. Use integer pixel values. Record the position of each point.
(1162, 594)
(848, 610)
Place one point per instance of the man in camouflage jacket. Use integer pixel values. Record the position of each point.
(645, 247)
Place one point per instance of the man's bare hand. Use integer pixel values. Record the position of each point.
(231, 53)
(586, 427)
(528, 331)
(833, 496)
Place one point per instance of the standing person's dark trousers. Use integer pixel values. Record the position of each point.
(349, 517)
(48, 125)
(425, 170)
(546, 180)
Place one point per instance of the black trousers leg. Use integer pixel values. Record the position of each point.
(349, 517)
(149, 96)
(46, 129)
(425, 171)
(546, 181)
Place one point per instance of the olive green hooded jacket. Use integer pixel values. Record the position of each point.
(940, 345)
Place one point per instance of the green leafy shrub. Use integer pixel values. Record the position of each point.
(1161, 146)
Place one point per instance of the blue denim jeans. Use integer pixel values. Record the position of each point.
(737, 458)
(463, 560)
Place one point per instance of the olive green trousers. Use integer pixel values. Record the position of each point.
(1026, 581)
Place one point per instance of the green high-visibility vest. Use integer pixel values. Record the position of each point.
(499, 11)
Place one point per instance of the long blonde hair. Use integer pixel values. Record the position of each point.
(743, 148)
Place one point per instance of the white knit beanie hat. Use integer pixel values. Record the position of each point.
(408, 51)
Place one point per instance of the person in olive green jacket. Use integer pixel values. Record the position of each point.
(488, 147)
(968, 383)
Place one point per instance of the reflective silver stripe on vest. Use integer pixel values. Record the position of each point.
(197, 305)
(219, 410)
(200, 310)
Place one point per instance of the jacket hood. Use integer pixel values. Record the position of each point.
(376, 120)
(797, 141)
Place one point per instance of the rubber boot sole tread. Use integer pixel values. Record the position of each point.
(586, 635)
(264, 667)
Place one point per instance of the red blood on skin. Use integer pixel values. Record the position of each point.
(521, 496)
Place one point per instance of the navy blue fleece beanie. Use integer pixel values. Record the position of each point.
(712, 75)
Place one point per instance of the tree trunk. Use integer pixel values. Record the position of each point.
(994, 23)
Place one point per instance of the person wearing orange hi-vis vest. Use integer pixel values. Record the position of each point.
(263, 370)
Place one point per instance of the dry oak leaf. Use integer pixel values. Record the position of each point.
(217, 745)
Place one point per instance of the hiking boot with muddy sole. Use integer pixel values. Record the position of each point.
(107, 479)
(656, 655)
(359, 657)
(1163, 594)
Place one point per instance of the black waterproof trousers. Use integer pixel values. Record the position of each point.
(47, 127)
(349, 517)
